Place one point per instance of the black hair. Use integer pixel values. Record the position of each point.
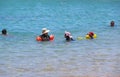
(4, 31)
(112, 23)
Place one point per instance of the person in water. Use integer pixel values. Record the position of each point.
(68, 36)
(45, 36)
(4, 32)
(112, 23)
(91, 34)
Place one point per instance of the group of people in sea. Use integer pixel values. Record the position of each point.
(67, 35)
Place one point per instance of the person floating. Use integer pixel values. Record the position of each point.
(4, 32)
(91, 35)
(112, 23)
(68, 36)
(44, 36)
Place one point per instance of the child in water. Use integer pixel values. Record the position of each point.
(68, 36)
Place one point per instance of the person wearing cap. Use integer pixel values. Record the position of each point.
(4, 32)
(45, 36)
(68, 36)
(91, 34)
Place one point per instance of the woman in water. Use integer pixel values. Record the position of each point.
(68, 36)
(45, 36)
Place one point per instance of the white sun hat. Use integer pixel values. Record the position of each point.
(45, 30)
(67, 33)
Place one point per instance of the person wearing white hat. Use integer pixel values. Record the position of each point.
(45, 36)
(68, 36)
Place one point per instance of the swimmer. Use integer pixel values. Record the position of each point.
(4, 32)
(68, 36)
(91, 34)
(45, 36)
(112, 23)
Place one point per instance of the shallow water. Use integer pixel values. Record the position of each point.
(22, 56)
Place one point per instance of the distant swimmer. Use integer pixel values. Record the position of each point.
(45, 36)
(91, 35)
(68, 36)
(112, 23)
(4, 32)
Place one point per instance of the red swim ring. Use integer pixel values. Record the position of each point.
(51, 37)
(38, 38)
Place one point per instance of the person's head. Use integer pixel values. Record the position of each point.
(67, 35)
(90, 33)
(112, 23)
(45, 31)
(4, 32)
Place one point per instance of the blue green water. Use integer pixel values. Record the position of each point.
(22, 56)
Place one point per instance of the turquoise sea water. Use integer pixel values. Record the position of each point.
(22, 56)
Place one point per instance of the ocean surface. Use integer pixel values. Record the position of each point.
(22, 56)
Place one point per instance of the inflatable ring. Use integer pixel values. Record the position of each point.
(38, 38)
(94, 36)
(51, 37)
(88, 37)
(80, 38)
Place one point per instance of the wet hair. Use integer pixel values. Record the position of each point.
(112, 23)
(4, 32)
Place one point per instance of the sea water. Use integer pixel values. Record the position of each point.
(22, 56)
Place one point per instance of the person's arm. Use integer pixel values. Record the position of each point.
(48, 38)
(42, 37)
